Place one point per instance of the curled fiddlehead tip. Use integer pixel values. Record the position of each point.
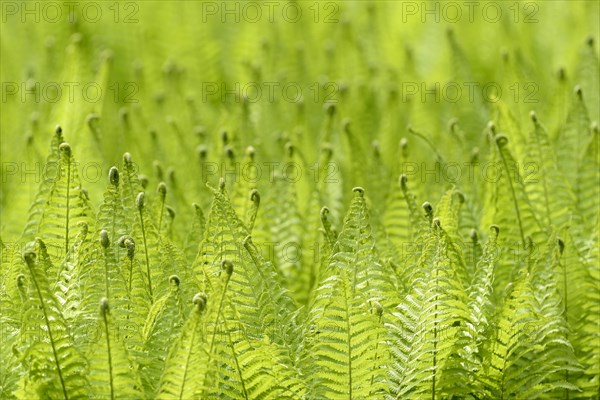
(495, 229)
(199, 130)
(578, 91)
(403, 181)
(251, 152)
(533, 116)
(227, 267)
(91, 119)
(410, 129)
(123, 239)
(461, 196)
(491, 127)
(162, 189)
(255, 196)
(453, 124)
(174, 280)
(65, 148)
(359, 191)
(107, 55)
(113, 176)
(403, 143)
(247, 241)
(104, 309)
(158, 168)
(327, 149)
(330, 109)
(289, 149)
(222, 184)
(143, 179)
(200, 300)
(561, 245)
(171, 174)
(104, 241)
(41, 245)
(170, 211)
(473, 235)
(197, 207)
(229, 153)
(139, 201)
(58, 130)
(501, 140)
(376, 148)
(29, 256)
(428, 208)
(346, 125)
(84, 227)
(437, 224)
(377, 308)
(130, 244)
(202, 151)
(324, 212)
(127, 158)
(224, 136)
(20, 280)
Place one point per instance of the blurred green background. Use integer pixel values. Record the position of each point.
(143, 78)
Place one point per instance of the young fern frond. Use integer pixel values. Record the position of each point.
(55, 366)
(432, 334)
(550, 195)
(67, 205)
(36, 211)
(162, 328)
(186, 362)
(113, 374)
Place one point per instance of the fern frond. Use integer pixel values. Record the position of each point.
(113, 374)
(55, 367)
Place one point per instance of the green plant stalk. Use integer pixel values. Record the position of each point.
(146, 254)
(54, 353)
(109, 353)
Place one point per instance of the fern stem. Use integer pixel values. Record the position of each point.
(435, 315)
(162, 211)
(54, 353)
(237, 364)
(212, 340)
(566, 302)
(376, 347)
(109, 350)
(68, 205)
(146, 254)
(514, 195)
(544, 183)
(349, 350)
(187, 359)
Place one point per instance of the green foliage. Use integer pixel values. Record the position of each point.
(359, 242)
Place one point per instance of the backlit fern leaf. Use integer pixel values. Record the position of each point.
(432, 334)
(113, 374)
(36, 210)
(550, 195)
(55, 367)
(67, 205)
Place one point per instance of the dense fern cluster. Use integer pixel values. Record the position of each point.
(310, 249)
